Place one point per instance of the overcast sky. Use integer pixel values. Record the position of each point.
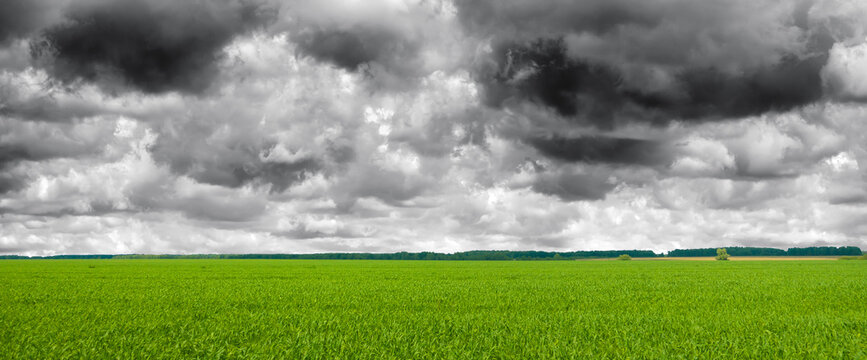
(228, 126)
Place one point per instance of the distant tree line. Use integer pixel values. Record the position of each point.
(824, 251)
(465, 255)
(732, 251)
(489, 254)
(759, 251)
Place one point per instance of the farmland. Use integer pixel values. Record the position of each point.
(432, 309)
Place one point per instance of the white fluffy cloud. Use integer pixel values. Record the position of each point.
(846, 71)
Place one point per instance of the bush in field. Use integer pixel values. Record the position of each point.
(862, 257)
(624, 257)
(721, 254)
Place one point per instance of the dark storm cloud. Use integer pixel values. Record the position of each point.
(661, 31)
(352, 48)
(10, 182)
(710, 93)
(18, 18)
(13, 153)
(571, 185)
(232, 166)
(388, 58)
(390, 186)
(514, 18)
(38, 142)
(10, 156)
(542, 72)
(342, 48)
(280, 176)
(152, 46)
(45, 108)
(597, 149)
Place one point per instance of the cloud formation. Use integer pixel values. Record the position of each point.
(20, 18)
(155, 126)
(151, 46)
(352, 48)
(610, 92)
(601, 150)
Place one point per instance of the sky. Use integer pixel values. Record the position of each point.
(264, 126)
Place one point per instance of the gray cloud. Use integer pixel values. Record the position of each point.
(391, 186)
(11, 155)
(510, 18)
(19, 18)
(46, 108)
(151, 46)
(222, 207)
(611, 63)
(24, 142)
(596, 149)
(230, 165)
(436, 138)
(739, 34)
(9, 182)
(570, 185)
(542, 72)
(351, 48)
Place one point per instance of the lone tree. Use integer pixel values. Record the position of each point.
(721, 254)
(624, 257)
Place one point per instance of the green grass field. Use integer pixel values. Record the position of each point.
(213, 309)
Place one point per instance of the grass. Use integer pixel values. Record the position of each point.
(440, 309)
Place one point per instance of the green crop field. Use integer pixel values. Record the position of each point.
(211, 309)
